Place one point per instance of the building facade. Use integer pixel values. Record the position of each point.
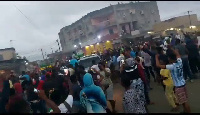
(100, 29)
(174, 25)
(7, 54)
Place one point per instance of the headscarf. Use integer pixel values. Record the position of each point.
(92, 91)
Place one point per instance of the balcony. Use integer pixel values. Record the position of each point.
(104, 24)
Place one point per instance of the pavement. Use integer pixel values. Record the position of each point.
(158, 97)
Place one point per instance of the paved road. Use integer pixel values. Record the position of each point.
(158, 97)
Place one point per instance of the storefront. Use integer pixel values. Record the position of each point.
(98, 47)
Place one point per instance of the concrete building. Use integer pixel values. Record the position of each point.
(175, 24)
(108, 24)
(7, 54)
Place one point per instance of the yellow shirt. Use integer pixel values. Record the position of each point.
(11, 85)
(166, 73)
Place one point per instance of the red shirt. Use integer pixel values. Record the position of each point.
(18, 88)
(40, 85)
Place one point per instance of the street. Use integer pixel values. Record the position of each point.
(158, 97)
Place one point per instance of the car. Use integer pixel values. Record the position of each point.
(86, 61)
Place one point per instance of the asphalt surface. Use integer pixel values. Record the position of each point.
(158, 97)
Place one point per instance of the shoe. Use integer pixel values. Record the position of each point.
(191, 81)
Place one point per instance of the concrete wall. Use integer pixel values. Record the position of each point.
(177, 22)
(7, 54)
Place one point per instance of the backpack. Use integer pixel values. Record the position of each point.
(88, 104)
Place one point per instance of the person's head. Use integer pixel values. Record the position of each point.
(101, 65)
(163, 59)
(17, 104)
(93, 62)
(73, 79)
(125, 81)
(23, 72)
(47, 76)
(159, 50)
(88, 80)
(171, 57)
(70, 66)
(127, 51)
(43, 72)
(178, 41)
(137, 59)
(80, 69)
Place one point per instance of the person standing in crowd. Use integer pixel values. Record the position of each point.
(77, 108)
(176, 69)
(134, 99)
(141, 73)
(147, 65)
(26, 80)
(193, 56)
(183, 52)
(92, 97)
(106, 83)
(73, 61)
(80, 72)
(168, 82)
(43, 75)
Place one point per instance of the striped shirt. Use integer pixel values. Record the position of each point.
(176, 70)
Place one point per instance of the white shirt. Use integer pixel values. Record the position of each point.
(62, 107)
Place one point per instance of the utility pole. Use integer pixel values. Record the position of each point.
(189, 17)
(58, 44)
(42, 54)
(52, 50)
(11, 43)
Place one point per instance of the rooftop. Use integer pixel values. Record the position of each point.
(7, 49)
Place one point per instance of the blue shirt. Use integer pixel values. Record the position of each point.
(133, 54)
(73, 62)
(27, 77)
(176, 70)
(43, 77)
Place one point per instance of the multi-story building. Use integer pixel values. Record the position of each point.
(99, 29)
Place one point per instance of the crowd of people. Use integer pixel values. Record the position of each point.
(71, 89)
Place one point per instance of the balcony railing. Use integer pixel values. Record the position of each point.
(104, 24)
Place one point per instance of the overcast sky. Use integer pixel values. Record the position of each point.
(39, 26)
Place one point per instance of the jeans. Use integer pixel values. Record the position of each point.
(148, 70)
(186, 68)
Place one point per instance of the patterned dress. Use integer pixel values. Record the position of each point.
(134, 98)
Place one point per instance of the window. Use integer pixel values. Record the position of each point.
(111, 31)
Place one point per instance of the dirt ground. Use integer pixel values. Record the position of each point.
(158, 97)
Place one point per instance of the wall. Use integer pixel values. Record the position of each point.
(7, 54)
(176, 22)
